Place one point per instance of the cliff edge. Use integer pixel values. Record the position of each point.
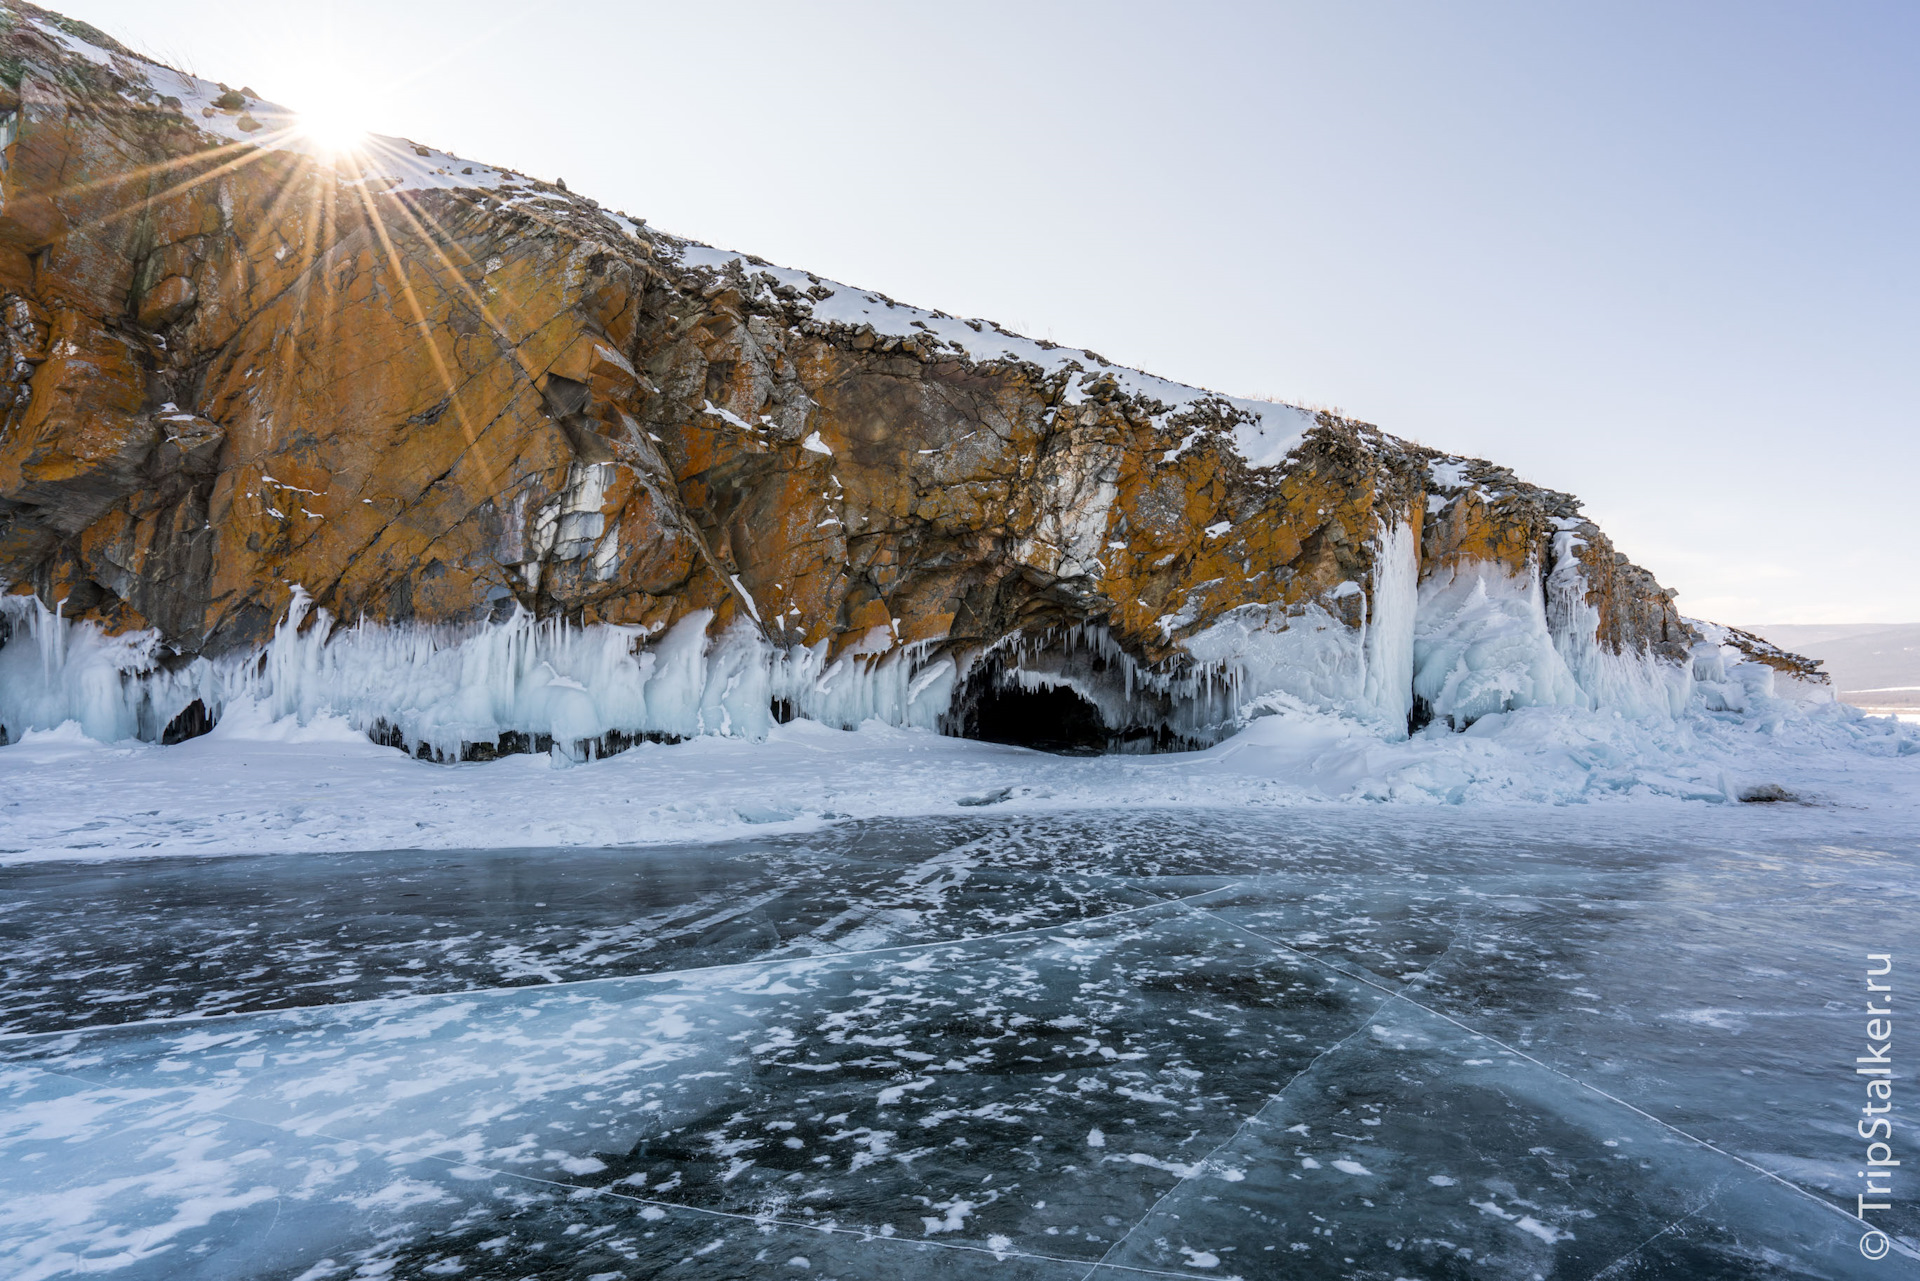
(482, 465)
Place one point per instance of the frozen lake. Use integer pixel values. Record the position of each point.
(1103, 1044)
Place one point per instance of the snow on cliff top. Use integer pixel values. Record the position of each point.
(1265, 437)
(1264, 433)
(385, 163)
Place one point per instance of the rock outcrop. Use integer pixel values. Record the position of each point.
(242, 374)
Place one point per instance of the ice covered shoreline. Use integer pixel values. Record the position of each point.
(1469, 642)
(260, 784)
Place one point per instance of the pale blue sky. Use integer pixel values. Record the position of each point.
(1663, 256)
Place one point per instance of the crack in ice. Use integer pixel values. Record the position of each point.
(415, 998)
(1522, 1054)
(866, 1235)
(1201, 1166)
(1620, 1262)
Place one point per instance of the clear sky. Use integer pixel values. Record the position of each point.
(1665, 256)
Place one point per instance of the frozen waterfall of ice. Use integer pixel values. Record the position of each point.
(1393, 616)
(53, 671)
(1481, 645)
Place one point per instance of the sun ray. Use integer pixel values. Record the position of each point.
(237, 155)
(331, 236)
(140, 172)
(509, 347)
(290, 182)
(426, 331)
(136, 206)
(302, 289)
(356, 159)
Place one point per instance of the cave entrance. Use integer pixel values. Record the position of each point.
(1052, 719)
(192, 722)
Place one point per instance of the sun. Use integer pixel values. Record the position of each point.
(332, 131)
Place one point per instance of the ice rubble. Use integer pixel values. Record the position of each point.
(1482, 645)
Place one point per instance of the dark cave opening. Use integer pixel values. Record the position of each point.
(1051, 719)
(1420, 716)
(193, 721)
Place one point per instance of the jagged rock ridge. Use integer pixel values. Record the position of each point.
(244, 377)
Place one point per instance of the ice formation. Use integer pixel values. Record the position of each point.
(1387, 688)
(447, 692)
(1482, 645)
(1468, 642)
(52, 672)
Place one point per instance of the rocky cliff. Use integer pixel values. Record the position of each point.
(254, 389)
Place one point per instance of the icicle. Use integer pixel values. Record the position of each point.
(1388, 625)
(530, 683)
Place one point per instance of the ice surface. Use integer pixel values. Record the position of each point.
(1425, 1043)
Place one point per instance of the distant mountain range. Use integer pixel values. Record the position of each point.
(1873, 665)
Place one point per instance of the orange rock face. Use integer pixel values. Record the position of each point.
(233, 369)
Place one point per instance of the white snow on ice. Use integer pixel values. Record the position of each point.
(259, 783)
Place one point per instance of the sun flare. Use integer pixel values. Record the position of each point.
(332, 131)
